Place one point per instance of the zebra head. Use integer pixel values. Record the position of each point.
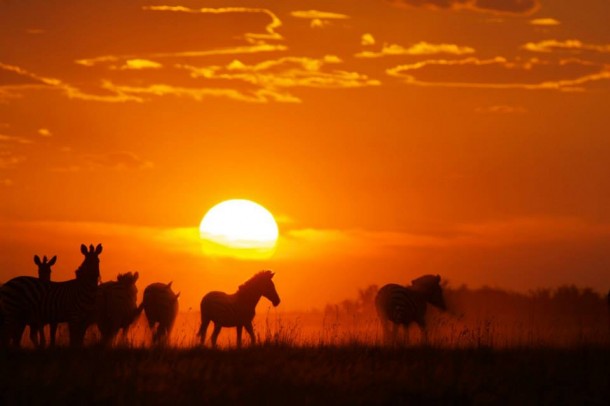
(90, 268)
(44, 267)
(267, 287)
(430, 286)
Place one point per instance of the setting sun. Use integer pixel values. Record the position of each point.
(239, 228)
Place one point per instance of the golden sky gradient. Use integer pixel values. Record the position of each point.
(394, 138)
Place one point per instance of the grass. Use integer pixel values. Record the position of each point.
(312, 359)
(280, 374)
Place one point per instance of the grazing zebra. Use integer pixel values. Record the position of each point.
(399, 305)
(160, 305)
(28, 300)
(236, 310)
(116, 306)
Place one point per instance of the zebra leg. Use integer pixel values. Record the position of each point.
(203, 330)
(17, 333)
(239, 328)
(52, 331)
(250, 331)
(77, 334)
(34, 331)
(43, 339)
(215, 333)
(424, 332)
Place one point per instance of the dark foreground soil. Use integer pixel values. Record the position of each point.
(295, 376)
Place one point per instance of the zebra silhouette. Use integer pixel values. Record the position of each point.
(236, 310)
(20, 308)
(44, 274)
(160, 305)
(28, 300)
(116, 306)
(402, 305)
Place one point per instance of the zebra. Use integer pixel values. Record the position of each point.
(116, 306)
(236, 310)
(27, 300)
(21, 294)
(44, 267)
(160, 304)
(44, 274)
(399, 305)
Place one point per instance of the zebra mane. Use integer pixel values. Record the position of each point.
(426, 282)
(265, 274)
(128, 278)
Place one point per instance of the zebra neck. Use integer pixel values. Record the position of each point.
(250, 298)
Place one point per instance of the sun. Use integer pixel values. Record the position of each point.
(239, 228)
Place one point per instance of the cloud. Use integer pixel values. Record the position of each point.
(14, 139)
(247, 49)
(44, 132)
(545, 22)
(139, 64)
(574, 45)
(6, 182)
(500, 73)
(270, 30)
(500, 109)
(367, 39)
(70, 91)
(263, 82)
(9, 160)
(323, 15)
(119, 160)
(485, 6)
(421, 48)
(318, 18)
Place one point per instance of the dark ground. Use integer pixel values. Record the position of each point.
(295, 376)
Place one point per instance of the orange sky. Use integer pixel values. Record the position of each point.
(389, 138)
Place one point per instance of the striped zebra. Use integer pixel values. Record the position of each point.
(27, 300)
(36, 329)
(116, 306)
(44, 274)
(160, 305)
(236, 310)
(399, 305)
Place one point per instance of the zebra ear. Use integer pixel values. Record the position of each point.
(37, 260)
(438, 279)
(177, 294)
(271, 273)
(98, 249)
(83, 249)
(136, 276)
(169, 285)
(52, 261)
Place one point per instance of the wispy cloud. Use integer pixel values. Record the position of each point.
(500, 109)
(139, 64)
(270, 30)
(119, 160)
(318, 18)
(551, 45)
(363, 243)
(500, 73)
(420, 48)
(262, 82)
(486, 6)
(544, 22)
(14, 139)
(44, 132)
(367, 39)
(8, 159)
(69, 90)
(112, 60)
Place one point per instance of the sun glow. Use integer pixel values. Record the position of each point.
(239, 228)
